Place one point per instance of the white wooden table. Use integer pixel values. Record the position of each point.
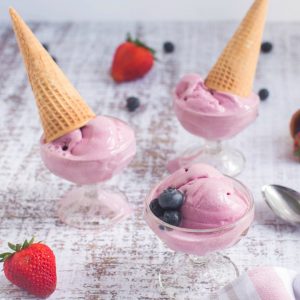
(123, 263)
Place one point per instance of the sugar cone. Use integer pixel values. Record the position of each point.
(61, 108)
(235, 69)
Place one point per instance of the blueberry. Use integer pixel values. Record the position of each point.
(169, 47)
(161, 227)
(132, 103)
(156, 209)
(266, 47)
(54, 58)
(172, 217)
(263, 94)
(46, 46)
(171, 199)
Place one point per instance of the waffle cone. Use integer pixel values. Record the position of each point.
(295, 123)
(235, 69)
(61, 108)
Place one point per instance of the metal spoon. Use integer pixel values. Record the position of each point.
(284, 202)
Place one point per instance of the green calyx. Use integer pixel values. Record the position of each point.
(15, 248)
(140, 44)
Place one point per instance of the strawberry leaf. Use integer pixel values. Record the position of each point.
(5, 254)
(15, 248)
(139, 43)
(25, 244)
(142, 44)
(12, 246)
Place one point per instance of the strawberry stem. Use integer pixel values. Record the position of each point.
(128, 38)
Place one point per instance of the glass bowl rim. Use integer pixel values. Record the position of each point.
(249, 210)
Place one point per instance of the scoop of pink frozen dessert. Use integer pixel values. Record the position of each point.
(210, 198)
(93, 153)
(211, 114)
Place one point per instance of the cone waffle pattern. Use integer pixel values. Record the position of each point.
(235, 70)
(61, 108)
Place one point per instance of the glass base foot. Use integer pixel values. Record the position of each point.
(187, 277)
(93, 207)
(229, 161)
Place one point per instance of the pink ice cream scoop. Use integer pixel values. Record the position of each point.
(210, 198)
(93, 153)
(217, 210)
(211, 114)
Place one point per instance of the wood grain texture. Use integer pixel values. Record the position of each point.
(123, 263)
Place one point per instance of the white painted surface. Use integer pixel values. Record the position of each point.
(146, 10)
(122, 263)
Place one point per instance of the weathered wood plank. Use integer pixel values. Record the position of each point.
(123, 263)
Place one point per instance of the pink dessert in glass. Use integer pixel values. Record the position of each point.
(223, 104)
(93, 153)
(211, 114)
(88, 156)
(76, 144)
(214, 116)
(215, 213)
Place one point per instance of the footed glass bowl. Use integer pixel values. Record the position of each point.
(197, 268)
(214, 129)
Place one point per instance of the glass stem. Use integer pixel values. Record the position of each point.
(213, 147)
(91, 191)
(198, 260)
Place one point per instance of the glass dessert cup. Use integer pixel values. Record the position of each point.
(96, 206)
(93, 204)
(77, 145)
(227, 160)
(197, 269)
(215, 129)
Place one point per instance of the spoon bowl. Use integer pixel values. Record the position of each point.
(283, 201)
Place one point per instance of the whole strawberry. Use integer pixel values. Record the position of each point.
(132, 60)
(31, 267)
